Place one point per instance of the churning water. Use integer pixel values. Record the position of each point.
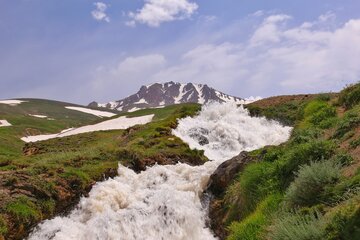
(163, 202)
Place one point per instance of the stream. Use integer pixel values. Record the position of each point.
(164, 202)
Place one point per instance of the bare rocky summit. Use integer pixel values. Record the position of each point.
(164, 94)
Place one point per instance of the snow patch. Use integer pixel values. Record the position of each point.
(181, 94)
(134, 109)
(141, 101)
(91, 111)
(4, 123)
(12, 102)
(113, 124)
(37, 116)
(199, 89)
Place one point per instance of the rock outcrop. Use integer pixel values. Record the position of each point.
(219, 181)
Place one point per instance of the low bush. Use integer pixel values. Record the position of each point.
(343, 190)
(348, 123)
(342, 159)
(305, 135)
(344, 224)
(310, 182)
(301, 154)
(299, 226)
(319, 114)
(350, 96)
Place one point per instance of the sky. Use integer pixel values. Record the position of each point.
(81, 50)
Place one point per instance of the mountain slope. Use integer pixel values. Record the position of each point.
(29, 117)
(164, 94)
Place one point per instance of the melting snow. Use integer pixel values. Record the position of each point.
(134, 109)
(199, 89)
(141, 101)
(91, 111)
(12, 102)
(4, 123)
(181, 94)
(117, 123)
(38, 116)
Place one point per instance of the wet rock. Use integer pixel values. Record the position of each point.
(226, 173)
(219, 182)
(199, 135)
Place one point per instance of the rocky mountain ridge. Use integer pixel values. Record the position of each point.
(163, 94)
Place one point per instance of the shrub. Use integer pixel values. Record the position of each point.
(342, 159)
(319, 113)
(355, 143)
(343, 190)
(253, 226)
(350, 96)
(310, 181)
(350, 121)
(304, 135)
(345, 223)
(299, 226)
(302, 154)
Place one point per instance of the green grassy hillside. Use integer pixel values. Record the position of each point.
(23, 124)
(307, 188)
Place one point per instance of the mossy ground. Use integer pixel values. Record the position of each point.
(288, 195)
(55, 173)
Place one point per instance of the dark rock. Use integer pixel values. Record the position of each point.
(226, 173)
(199, 134)
(219, 182)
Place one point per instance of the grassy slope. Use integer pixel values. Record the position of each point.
(23, 124)
(307, 188)
(59, 171)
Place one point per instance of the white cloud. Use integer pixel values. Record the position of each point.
(283, 60)
(99, 13)
(258, 13)
(155, 12)
(269, 29)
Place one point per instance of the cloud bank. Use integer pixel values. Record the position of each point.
(276, 58)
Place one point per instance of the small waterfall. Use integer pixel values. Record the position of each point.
(163, 202)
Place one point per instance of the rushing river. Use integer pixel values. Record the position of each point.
(163, 202)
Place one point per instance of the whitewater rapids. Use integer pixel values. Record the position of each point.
(163, 202)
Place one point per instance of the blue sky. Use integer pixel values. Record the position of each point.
(81, 50)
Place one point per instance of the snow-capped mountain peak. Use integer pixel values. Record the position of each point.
(164, 94)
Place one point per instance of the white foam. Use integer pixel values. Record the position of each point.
(117, 123)
(230, 131)
(4, 123)
(91, 111)
(12, 102)
(163, 202)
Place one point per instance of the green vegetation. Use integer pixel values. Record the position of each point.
(299, 226)
(315, 175)
(310, 181)
(350, 96)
